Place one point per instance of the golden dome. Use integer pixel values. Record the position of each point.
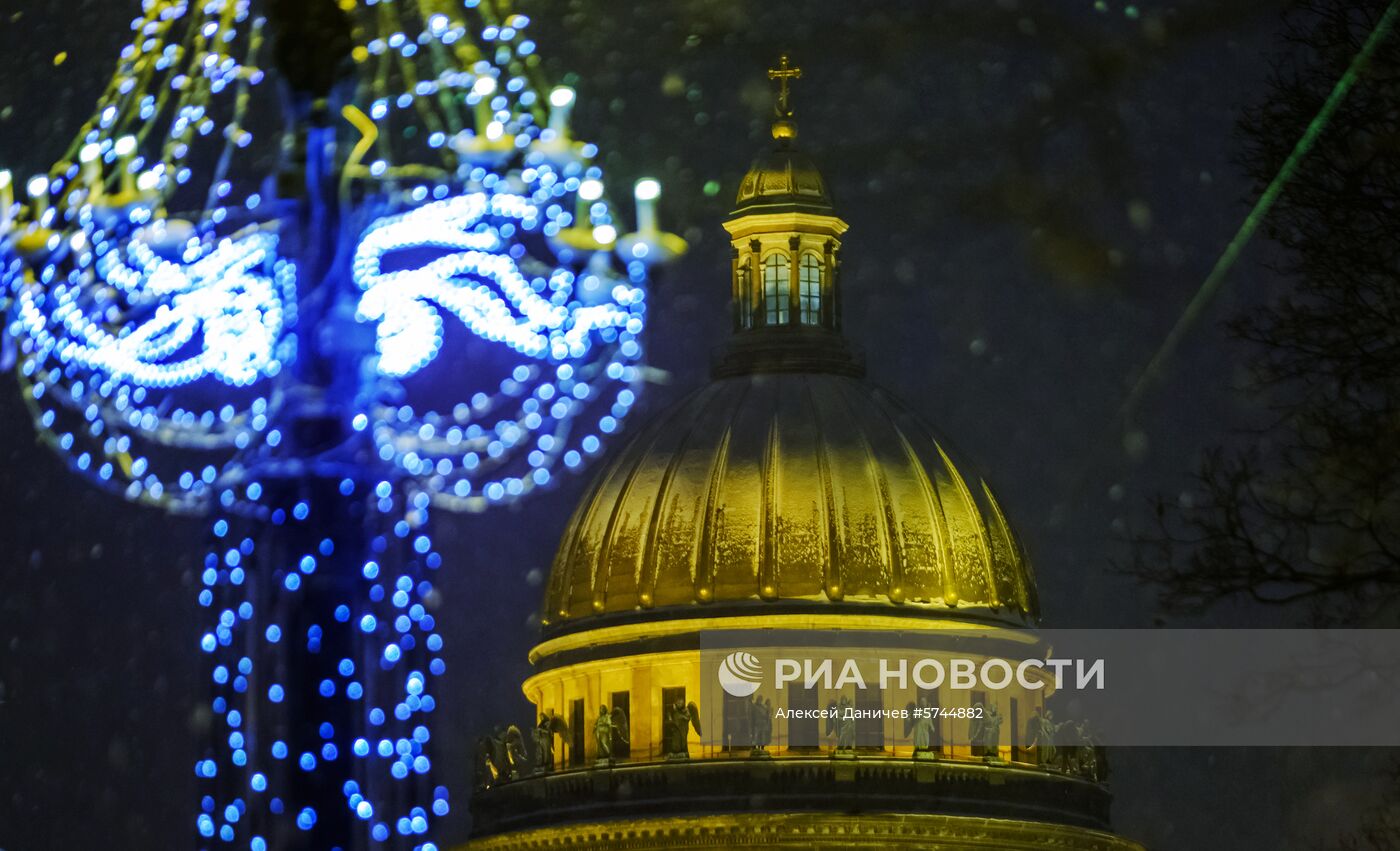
(781, 491)
(782, 179)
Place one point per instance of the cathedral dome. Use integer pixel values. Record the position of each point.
(773, 492)
(782, 179)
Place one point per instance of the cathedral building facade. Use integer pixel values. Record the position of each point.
(789, 493)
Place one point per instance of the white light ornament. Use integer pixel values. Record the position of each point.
(147, 375)
(221, 316)
(569, 345)
(478, 281)
(145, 342)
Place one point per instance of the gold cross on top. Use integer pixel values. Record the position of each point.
(784, 73)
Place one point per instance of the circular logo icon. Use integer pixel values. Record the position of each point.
(739, 673)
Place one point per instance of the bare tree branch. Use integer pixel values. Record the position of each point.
(1309, 510)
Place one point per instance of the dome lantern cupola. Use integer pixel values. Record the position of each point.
(786, 249)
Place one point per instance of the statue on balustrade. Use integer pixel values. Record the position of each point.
(550, 725)
(500, 757)
(1041, 732)
(1087, 757)
(921, 725)
(841, 723)
(985, 732)
(678, 720)
(760, 725)
(611, 726)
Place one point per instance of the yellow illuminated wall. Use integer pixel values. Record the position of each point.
(646, 677)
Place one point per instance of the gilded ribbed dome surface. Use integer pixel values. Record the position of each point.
(787, 489)
(783, 178)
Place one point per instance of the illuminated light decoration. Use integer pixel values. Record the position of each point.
(368, 661)
(648, 189)
(590, 190)
(177, 360)
(520, 261)
(120, 351)
(561, 99)
(221, 299)
(147, 343)
(7, 201)
(567, 353)
(649, 246)
(479, 282)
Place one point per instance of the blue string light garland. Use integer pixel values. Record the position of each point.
(173, 360)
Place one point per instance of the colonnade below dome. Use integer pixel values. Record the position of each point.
(647, 674)
(621, 708)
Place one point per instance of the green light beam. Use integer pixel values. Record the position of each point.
(1213, 282)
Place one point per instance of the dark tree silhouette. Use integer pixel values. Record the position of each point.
(1307, 508)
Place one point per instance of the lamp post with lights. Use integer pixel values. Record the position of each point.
(427, 304)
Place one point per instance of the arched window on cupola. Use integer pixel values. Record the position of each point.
(810, 289)
(776, 285)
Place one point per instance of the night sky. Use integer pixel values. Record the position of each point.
(1034, 192)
